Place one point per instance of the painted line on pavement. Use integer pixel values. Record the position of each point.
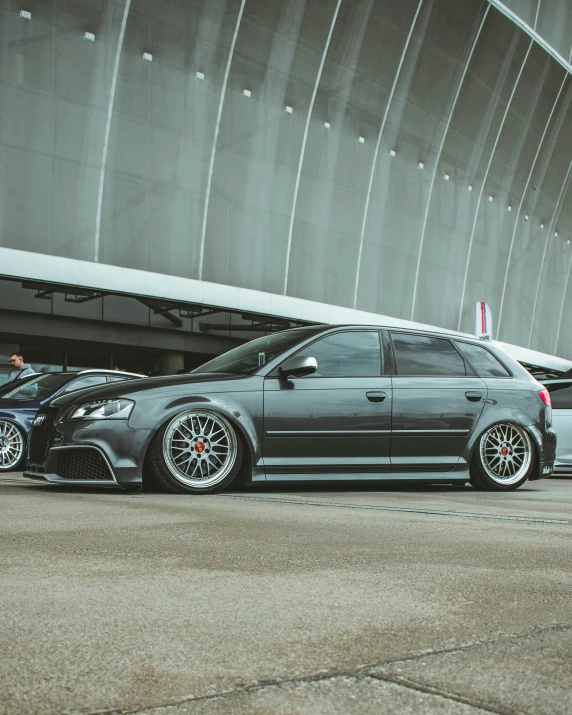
(413, 510)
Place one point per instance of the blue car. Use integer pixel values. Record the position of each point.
(21, 399)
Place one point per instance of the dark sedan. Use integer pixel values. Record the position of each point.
(20, 400)
(315, 403)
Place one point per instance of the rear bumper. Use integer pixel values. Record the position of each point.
(562, 468)
(546, 443)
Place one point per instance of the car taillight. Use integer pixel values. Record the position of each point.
(545, 397)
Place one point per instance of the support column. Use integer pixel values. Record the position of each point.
(169, 363)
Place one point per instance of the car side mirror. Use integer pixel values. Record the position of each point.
(298, 367)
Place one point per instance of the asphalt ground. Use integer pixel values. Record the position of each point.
(347, 599)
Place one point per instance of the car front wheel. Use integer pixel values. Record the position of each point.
(12, 446)
(503, 458)
(196, 452)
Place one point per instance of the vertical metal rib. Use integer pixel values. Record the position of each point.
(550, 226)
(562, 306)
(110, 104)
(522, 201)
(376, 152)
(443, 138)
(303, 149)
(485, 181)
(215, 137)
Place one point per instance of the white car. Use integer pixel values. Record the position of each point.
(561, 396)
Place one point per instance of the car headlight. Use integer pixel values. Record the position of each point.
(118, 409)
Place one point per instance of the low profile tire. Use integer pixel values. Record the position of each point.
(12, 446)
(196, 452)
(503, 459)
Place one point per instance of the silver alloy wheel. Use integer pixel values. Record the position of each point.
(200, 448)
(11, 445)
(506, 453)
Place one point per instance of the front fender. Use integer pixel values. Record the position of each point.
(242, 409)
(18, 420)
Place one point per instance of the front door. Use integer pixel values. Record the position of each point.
(436, 404)
(336, 422)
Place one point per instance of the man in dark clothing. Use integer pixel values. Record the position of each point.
(20, 369)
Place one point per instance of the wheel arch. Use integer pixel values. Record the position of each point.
(489, 418)
(504, 417)
(240, 421)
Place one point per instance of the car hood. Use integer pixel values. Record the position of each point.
(130, 387)
(9, 404)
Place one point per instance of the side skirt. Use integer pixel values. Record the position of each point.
(460, 476)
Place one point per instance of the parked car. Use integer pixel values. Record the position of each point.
(561, 395)
(21, 399)
(313, 403)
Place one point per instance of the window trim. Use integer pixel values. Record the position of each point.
(469, 371)
(274, 373)
(510, 375)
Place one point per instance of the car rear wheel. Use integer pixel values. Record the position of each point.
(12, 446)
(196, 452)
(503, 458)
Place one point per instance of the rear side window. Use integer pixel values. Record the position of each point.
(351, 354)
(560, 395)
(482, 361)
(424, 356)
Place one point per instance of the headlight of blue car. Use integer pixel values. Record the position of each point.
(117, 409)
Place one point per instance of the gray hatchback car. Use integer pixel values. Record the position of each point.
(346, 402)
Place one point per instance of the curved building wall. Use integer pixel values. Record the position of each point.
(550, 19)
(405, 158)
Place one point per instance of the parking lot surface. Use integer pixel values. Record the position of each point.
(342, 599)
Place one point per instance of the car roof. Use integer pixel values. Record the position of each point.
(414, 331)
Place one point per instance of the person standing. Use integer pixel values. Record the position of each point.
(19, 367)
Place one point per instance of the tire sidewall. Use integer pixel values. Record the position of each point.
(478, 476)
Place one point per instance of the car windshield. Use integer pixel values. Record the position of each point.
(250, 357)
(38, 388)
(8, 386)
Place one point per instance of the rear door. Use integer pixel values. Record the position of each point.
(336, 421)
(437, 401)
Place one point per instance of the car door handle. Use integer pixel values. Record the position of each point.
(377, 396)
(473, 396)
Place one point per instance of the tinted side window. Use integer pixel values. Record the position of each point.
(482, 361)
(88, 381)
(351, 354)
(423, 356)
(561, 395)
(117, 378)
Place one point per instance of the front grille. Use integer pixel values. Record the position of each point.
(83, 463)
(40, 435)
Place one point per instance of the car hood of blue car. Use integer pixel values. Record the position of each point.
(15, 405)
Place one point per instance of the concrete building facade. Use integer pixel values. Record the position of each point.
(310, 159)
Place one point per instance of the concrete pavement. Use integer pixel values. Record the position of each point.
(286, 600)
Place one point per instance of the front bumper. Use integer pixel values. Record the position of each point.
(102, 453)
